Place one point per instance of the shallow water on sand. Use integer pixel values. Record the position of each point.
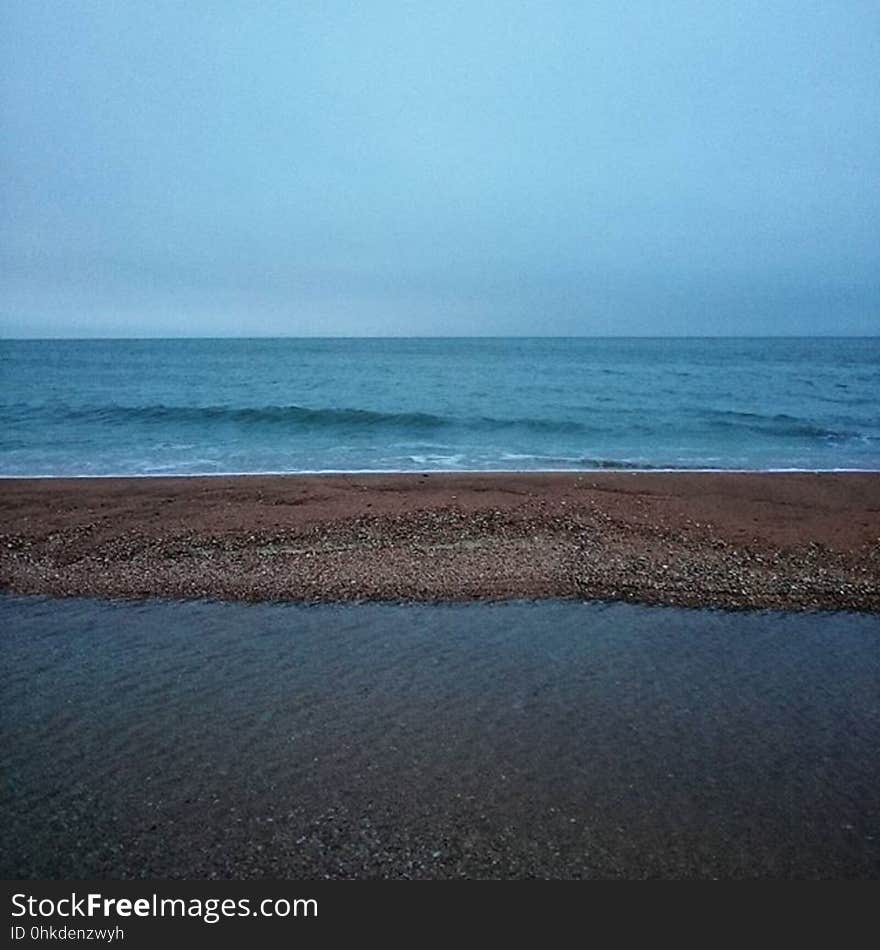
(556, 739)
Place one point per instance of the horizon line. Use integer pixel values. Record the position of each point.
(511, 336)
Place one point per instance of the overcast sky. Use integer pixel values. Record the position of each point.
(439, 168)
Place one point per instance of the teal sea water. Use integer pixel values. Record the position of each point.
(151, 407)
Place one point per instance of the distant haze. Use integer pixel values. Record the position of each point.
(446, 168)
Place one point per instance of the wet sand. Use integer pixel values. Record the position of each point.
(767, 540)
(517, 740)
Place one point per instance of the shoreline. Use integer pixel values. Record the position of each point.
(610, 470)
(781, 540)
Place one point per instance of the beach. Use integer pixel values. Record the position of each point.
(436, 442)
(795, 541)
(441, 685)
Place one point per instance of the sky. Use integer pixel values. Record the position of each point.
(420, 169)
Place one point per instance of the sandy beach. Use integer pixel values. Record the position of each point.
(768, 540)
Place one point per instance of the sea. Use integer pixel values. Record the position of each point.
(213, 406)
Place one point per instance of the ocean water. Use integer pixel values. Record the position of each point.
(553, 739)
(290, 405)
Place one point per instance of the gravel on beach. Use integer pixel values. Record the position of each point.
(735, 540)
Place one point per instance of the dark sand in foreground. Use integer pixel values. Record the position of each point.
(515, 740)
(795, 541)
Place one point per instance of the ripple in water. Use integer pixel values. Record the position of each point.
(512, 740)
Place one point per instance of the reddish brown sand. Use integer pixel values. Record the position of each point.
(796, 541)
